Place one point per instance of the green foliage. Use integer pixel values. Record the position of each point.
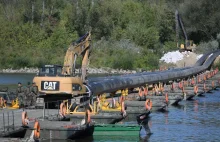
(169, 46)
(201, 18)
(127, 34)
(115, 54)
(208, 46)
(216, 65)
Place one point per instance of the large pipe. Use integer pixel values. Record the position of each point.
(204, 57)
(198, 63)
(97, 79)
(132, 81)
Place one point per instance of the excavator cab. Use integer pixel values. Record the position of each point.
(50, 70)
(189, 46)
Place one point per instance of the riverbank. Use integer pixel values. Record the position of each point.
(90, 71)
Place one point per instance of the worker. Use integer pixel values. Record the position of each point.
(20, 94)
(20, 88)
(34, 88)
(28, 88)
(34, 92)
(28, 96)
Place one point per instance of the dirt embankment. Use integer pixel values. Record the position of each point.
(179, 59)
(188, 60)
(185, 59)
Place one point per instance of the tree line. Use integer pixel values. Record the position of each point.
(126, 34)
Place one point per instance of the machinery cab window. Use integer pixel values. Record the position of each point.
(50, 70)
(76, 87)
(4, 95)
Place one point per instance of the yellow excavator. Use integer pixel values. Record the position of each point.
(189, 44)
(56, 82)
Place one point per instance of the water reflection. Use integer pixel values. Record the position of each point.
(145, 131)
(144, 135)
(166, 117)
(196, 106)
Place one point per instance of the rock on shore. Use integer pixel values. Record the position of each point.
(90, 71)
(22, 70)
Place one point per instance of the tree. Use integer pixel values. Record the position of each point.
(201, 18)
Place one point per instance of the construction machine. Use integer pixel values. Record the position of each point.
(189, 44)
(8, 99)
(56, 82)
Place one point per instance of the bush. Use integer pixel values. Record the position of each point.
(207, 46)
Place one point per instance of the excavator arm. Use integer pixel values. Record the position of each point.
(189, 46)
(180, 23)
(81, 47)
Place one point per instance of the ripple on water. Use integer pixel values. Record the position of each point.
(197, 120)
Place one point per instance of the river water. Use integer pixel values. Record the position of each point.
(192, 121)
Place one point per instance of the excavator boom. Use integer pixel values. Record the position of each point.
(81, 47)
(188, 43)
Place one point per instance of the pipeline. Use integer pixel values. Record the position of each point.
(135, 80)
(198, 63)
(204, 57)
(97, 79)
